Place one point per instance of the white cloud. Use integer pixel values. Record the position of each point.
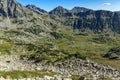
(107, 4)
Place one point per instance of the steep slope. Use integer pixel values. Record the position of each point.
(84, 19)
(18, 16)
(98, 21)
(22, 27)
(94, 20)
(12, 9)
(36, 9)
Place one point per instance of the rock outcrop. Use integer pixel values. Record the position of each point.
(12, 8)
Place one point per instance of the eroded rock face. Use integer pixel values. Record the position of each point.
(98, 21)
(85, 20)
(76, 67)
(11, 8)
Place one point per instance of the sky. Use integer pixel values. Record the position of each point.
(48, 5)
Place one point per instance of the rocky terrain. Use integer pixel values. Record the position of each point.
(69, 67)
(12, 8)
(56, 77)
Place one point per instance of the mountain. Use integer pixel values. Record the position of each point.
(117, 12)
(12, 8)
(83, 19)
(98, 21)
(59, 10)
(79, 18)
(79, 9)
(36, 9)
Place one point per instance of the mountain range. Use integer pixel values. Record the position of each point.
(79, 18)
(83, 19)
(99, 21)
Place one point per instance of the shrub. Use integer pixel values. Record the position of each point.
(57, 35)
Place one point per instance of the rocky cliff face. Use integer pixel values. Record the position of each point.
(11, 8)
(84, 19)
(97, 21)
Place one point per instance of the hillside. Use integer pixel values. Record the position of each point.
(58, 40)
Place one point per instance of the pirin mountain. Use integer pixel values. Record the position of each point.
(77, 42)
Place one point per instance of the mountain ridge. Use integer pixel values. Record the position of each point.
(36, 9)
(59, 10)
(98, 21)
(77, 18)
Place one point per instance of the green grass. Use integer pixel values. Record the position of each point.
(68, 43)
(75, 77)
(5, 47)
(26, 74)
(93, 50)
(105, 78)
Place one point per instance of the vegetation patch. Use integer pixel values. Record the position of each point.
(113, 53)
(102, 39)
(26, 74)
(5, 47)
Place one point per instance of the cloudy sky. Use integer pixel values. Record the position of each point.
(113, 5)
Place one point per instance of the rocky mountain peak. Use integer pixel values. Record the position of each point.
(79, 9)
(59, 7)
(117, 12)
(36, 9)
(6, 1)
(59, 10)
(11, 8)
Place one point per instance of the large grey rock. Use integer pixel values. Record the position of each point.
(82, 78)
